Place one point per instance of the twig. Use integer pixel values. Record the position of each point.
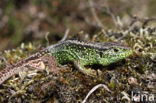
(146, 21)
(46, 37)
(5, 61)
(112, 15)
(93, 89)
(95, 15)
(65, 35)
(131, 26)
(134, 20)
(109, 12)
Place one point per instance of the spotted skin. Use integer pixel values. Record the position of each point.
(78, 52)
(89, 53)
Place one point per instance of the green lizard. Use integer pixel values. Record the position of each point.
(83, 53)
(79, 52)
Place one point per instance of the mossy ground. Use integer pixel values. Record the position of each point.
(29, 21)
(136, 73)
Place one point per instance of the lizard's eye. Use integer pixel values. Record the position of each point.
(116, 50)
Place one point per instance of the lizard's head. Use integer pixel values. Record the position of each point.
(114, 52)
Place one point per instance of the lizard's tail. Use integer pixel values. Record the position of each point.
(20, 66)
(10, 71)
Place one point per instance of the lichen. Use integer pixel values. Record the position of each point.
(68, 85)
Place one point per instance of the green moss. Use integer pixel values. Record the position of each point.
(69, 85)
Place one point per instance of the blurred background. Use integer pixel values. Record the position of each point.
(31, 20)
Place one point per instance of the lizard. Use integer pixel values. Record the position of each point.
(79, 53)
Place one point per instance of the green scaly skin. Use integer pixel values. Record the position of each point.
(85, 53)
(79, 52)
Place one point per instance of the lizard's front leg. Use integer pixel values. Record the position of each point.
(80, 65)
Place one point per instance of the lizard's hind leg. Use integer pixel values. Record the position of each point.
(81, 66)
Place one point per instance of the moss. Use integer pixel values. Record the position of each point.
(69, 85)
